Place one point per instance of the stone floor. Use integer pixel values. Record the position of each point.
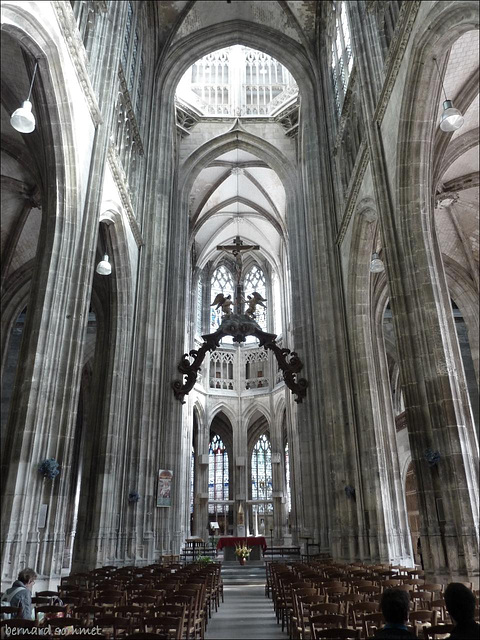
(246, 612)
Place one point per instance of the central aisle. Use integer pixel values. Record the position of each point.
(246, 612)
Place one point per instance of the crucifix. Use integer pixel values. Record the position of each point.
(236, 248)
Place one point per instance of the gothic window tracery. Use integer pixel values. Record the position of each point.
(287, 479)
(255, 281)
(132, 61)
(218, 480)
(342, 54)
(262, 472)
(222, 282)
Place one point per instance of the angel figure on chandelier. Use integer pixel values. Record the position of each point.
(224, 302)
(252, 301)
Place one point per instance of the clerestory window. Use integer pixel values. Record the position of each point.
(217, 475)
(222, 282)
(262, 470)
(342, 55)
(132, 61)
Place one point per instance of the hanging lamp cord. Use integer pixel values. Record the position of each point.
(33, 78)
(441, 80)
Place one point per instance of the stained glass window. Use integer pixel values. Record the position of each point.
(217, 475)
(255, 281)
(222, 282)
(262, 470)
(192, 479)
(199, 306)
(342, 55)
(287, 479)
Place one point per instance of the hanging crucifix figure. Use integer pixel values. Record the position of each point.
(236, 248)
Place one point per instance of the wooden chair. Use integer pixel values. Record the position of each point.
(440, 608)
(422, 618)
(421, 599)
(165, 626)
(437, 631)
(119, 626)
(337, 634)
(88, 613)
(133, 613)
(50, 611)
(189, 602)
(371, 622)
(84, 596)
(327, 621)
(360, 609)
(305, 604)
(370, 592)
(46, 594)
(58, 628)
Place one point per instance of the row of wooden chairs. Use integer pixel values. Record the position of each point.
(302, 592)
(120, 602)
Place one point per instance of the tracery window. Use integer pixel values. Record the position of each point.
(255, 281)
(262, 471)
(199, 306)
(342, 55)
(237, 81)
(192, 479)
(222, 282)
(217, 475)
(132, 58)
(287, 479)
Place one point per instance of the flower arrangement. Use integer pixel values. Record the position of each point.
(242, 551)
(133, 496)
(204, 560)
(49, 468)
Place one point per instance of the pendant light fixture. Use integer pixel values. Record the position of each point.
(22, 119)
(451, 118)
(376, 264)
(104, 268)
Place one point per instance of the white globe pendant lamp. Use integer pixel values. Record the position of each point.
(104, 268)
(451, 118)
(22, 119)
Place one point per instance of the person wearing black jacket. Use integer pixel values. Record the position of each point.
(460, 603)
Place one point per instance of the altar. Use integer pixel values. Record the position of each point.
(228, 544)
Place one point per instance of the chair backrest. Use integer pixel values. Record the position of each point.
(324, 608)
(337, 634)
(113, 622)
(168, 626)
(371, 622)
(360, 609)
(47, 594)
(87, 612)
(326, 621)
(433, 586)
(438, 631)
(50, 611)
(423, 615)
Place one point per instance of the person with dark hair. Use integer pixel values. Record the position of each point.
(20, 593)
(395, 604)
(460, 603)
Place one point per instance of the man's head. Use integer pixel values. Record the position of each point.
(460, 602)
(28, 577)
(395, 604)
